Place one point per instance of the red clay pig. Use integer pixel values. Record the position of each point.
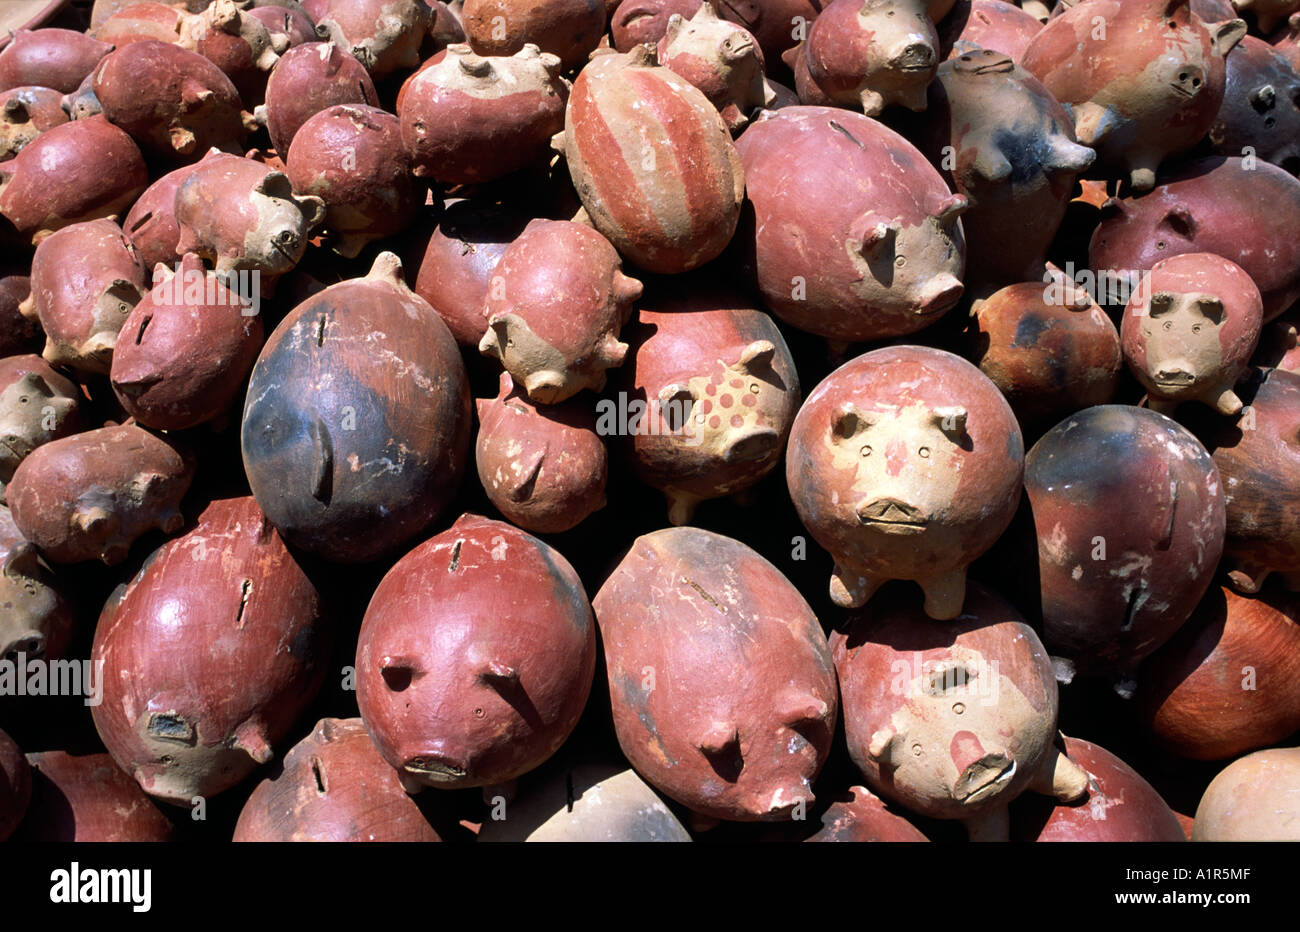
(570, 29)
(722, 59)
(53, 58)
(37, 405)
(384, 35)
(25, 113)
(87, 797)
(308, 79)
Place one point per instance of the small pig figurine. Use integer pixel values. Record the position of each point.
(722, 391)
(1142, 78)
(1129, 513)
(25, 113)
(357, 420)
(76, 171)
(37, 405)
(91, 495)
(855, 236)
(37, 620)
(868, 54)
(1190, 331)
(720, 58)
(1261, 107)
(210, 655)
(86, 278)
(308, 79)
(557, 301)
(239, 214)
(1246, 211)
(905, 463)
(652, 162)
(1009, 148)
(456, 114)
(720, 677)
(475, 658)
(334, 786)
(238, 43)
(952, 720)
(778, 25)
(1257, 457)
(544, 467)
(189, 345)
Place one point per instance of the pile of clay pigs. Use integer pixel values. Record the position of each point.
(738, 420)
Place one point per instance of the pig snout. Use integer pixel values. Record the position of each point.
(941, 293)
(737, 46)
(912, 54)
(980, 772)
(436, 766)
(1189, 80)
(892, 514)
(1175, 374)
(752, 445)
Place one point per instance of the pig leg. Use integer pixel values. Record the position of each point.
(681, 506)
(849, 590)
(945, 595)
(1060, 778)
(991, 825)
(872, 102)
(1225, 400)
(1246, 577)
(1162, 405)
(1142, 170)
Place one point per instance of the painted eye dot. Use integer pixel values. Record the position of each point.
(925, 452)
(959, 707)
(1196, 328)
(866, 451)
(900, 261)
(753, 388)
(1169, 325)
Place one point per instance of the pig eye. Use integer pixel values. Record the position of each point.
(1196, 328)
(924, 453)
(1169, 325)
(753, 388)
(866, 451)
(900, 261)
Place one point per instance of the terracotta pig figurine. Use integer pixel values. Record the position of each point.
(384, 35)
(1009, 149)
(25, 113)
(308, 79)
(1268, 13)
(557, 301)
(905, 463)
(91, 495)
(209, 654)
(1129, 512)
(867, 54)
(475, 658)
(1190, 331)
(720, 677)
(570, 29)
(722, 59)
(855, 236)
(1142, 78)
(151, 226)
(37, 620)
(721, 392)
(778, 25)
(952, 720)
(55, 58)
(1261, 107)
(37, 405)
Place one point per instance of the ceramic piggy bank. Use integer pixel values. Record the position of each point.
(778, 25)
(995, 25)
(189, 346)
(174, 102)
(77, 171)
(238, 43)
(350, 156)
(241, 215)
(1129, 511)
(1229, 681)
(952, 720)
(53, 58)
(210, 655)
(151, 226)
(855, 236)
(357, 420)
(86, 278)
(457, 114)
(722, 59)
(556, 265)
(543, 466)
(384, 35)
(1049, 348)
(867, 54)
(25, 113)
(653, 163)
(1260, 465)
(721, 393)
(1144, 84)
(1009, 148)
(307, 79)
(567, 28)
(905, 463)
(87, 797)
(1261, 107)
(1248, 212)
(37, 405)
(475, 658)
(37, 620)
(334, 787)
(1190, 332)
(720, 677)
(91, 495)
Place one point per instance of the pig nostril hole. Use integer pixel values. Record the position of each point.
(1161, 244)
(866, 451)
(1169, 325)
(924, 452)
(1196, 328)
(478, 713)
(397, 679)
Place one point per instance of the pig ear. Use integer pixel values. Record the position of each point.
(873, 232)
(756, 358)
(882, 746)
(1179, 220)
(313, 209)
(1212, 307)
(952, 421)
(719, 739)
(1162, 302)
(676, 391)
(275, 184)
(802, 708)
(675, 24)
(849, 421)
(1225, 36)
(952, 207)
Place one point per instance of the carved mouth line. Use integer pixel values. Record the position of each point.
(436, 770)
(978, 788)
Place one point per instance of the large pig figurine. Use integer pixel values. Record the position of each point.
(1190, 332)
(868, 54)
(1248, 212)
(952, 720)
(1143, 78)
(1129, 511)
(720, 677)
(855, 235)
(721, 390)
(905, 463)
(1261, 107)
(1009, 148)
